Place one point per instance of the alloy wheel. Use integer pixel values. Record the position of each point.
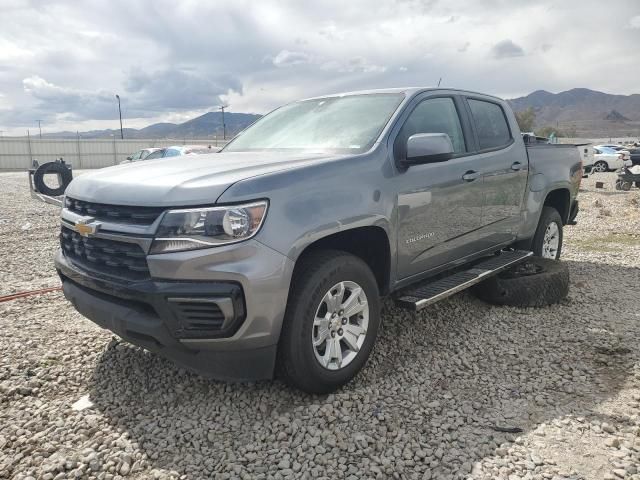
(340, 325)
(551, 241)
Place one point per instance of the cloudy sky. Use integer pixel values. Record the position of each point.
(64, 61)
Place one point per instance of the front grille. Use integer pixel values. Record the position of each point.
(197, 316)
(103, 256)
(114, 213)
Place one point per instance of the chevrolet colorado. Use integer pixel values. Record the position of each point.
(273, 254)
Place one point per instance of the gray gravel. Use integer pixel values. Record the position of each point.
(433, 402)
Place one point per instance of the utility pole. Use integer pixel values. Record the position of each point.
(224, 126)
(29, 143)
(39, 128)
(120, 112)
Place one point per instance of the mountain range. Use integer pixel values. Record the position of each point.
(581, 112)
(207, 126)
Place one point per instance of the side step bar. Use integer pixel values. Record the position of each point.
(430, 291)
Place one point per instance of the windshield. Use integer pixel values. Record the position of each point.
(338, 124)
(156, 154)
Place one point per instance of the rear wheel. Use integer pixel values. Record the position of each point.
(600, 166)
(638, 184)
(547, 241)
(331, 321)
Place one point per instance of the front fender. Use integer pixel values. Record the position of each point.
(314, 201)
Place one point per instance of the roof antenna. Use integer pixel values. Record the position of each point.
(439, 81)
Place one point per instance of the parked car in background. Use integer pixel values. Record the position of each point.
(587, 154)
(614, 146)
(626, 155)
(141, 155)
(607, 159)
(635, 156)
(159, 153)
(180, 150)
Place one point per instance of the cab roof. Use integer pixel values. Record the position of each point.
(408, 91)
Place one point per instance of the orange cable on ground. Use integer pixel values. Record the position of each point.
(28, 293)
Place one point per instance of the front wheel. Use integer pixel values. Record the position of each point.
(600, 166)
(331, 321)
(547, 241)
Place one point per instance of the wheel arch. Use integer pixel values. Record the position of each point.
(369, 243)
(560, 199)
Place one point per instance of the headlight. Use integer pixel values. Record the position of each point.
(194, 228)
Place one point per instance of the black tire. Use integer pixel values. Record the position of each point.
(63, 171)
(637, 184)
(549, 215)
(313, 277)
(536, 282)
(625, 186)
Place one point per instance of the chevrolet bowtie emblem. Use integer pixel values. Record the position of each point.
(85, 228)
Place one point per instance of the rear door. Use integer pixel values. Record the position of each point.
(502, 158)
(439, 205)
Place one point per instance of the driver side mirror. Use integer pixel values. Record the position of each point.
(129, 157)
(428, 148)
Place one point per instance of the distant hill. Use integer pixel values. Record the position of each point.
(584, 112)
(580, 112)
(204, 126)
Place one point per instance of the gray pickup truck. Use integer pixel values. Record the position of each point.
(272, 255)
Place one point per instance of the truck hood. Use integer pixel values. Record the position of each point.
(182, 181)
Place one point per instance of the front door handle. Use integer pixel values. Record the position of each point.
(470, 176)
(516, 166)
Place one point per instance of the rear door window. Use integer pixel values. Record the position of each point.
(491, 124)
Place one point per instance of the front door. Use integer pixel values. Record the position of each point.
(439, 204)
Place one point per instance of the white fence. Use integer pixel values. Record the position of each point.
(18, 153)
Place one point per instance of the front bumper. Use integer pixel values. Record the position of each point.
(250, 281)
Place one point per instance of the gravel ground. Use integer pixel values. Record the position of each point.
(434, 401)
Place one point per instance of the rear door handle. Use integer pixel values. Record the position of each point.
(516, 166)
(470, 176)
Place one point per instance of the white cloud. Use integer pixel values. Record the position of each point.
(287, 58)
(168, 62)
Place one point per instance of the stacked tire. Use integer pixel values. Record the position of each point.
(540, 280)
(537, 282)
